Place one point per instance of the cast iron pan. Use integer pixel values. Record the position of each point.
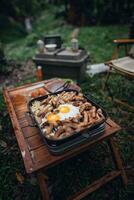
(85, 133)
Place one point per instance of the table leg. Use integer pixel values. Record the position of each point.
(117, 159)
(116, 52)
(43, 185)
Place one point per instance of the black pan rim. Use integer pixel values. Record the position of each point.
(75, 133)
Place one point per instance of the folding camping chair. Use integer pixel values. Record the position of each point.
(124, 66)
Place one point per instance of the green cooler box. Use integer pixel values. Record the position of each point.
(63, 63)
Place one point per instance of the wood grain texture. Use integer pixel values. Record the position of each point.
(43, 185)
(118, 162)
(18, 132)
(37, 155)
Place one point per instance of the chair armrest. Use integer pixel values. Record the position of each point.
(123, 41)
(119, 43)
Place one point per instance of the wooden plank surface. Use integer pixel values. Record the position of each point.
(33, 150)
(19, 136)
(29, 131)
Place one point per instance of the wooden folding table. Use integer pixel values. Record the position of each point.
(36, 156)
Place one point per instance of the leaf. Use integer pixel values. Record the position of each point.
(20, 178)
(3, 144)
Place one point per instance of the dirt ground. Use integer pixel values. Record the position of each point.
(19, 73)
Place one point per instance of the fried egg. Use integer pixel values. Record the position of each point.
(53, 117)
(67, 111)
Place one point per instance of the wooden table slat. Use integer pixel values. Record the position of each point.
(34, 142)
(23, 122)
(30, 131)
(21, 108)
(20, 138)
(20, 115)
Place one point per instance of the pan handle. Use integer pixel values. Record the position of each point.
(30, 119)
(90, 96)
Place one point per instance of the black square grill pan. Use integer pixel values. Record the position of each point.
(61, 145)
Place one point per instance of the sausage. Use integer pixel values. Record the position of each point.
(93, 111)
(85, 117)
(49, 129)
(59, 132)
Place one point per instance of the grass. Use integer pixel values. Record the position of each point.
(76, 173)
(97, 40)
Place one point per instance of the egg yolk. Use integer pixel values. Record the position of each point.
(64, 109)
(53, 118)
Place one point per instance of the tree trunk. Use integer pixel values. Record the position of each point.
(72, 12)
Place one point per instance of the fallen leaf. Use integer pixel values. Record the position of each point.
(19, 177)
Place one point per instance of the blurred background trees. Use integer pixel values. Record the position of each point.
(20, 9)
(82, 12)
(17, 17)
(100, 11)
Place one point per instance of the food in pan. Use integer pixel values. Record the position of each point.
(64, 114)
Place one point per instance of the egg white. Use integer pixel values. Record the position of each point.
(73, 112)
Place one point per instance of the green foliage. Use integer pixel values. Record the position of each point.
(100, 11)
(25, 8)
(98, 40)
(16, 11)
(4, 68)
(87, 12)
(131, 27)
(20, 8)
